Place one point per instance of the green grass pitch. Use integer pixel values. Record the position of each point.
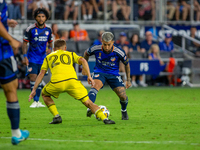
(159, 118)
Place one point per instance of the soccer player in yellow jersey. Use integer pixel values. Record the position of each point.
(64, 79)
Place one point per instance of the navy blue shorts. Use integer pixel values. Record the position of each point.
(33, 68)
(112, 80)
(8, 70)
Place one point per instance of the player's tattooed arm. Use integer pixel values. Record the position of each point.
(24, 47)
(86, 56)
(127, 69)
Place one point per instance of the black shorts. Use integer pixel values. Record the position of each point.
(8, 70)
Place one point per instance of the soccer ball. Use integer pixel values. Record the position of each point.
(105, 111)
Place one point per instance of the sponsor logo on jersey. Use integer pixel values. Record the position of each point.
(47, 32)
(36, 33)
(112, 58)
(36, 39)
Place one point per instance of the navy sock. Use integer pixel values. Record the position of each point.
(124, 104)
(38, 91)
(13, 111)
(92, 94)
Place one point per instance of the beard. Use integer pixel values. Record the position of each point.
(40, 24)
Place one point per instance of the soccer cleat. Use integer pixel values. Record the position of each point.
(125, 115)
(34, 104)
(56, 120)
(143, 84)
(108, 121)
(39, 104)
(24, 136)
(134, 84)
(89, 112)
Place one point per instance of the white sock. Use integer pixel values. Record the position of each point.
(16, 133)
(89, 16)
(85, 17)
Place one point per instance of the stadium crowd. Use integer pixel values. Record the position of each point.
(116, 9)
(130, 41)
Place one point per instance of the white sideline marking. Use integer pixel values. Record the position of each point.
(130, 142)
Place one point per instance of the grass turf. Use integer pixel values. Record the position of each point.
(159, 118)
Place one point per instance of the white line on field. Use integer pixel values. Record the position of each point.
(123, 142)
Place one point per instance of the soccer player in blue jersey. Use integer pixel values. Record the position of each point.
(108, 57)
(37, 35)
(8, 78)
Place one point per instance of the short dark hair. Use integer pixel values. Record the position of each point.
(59, 43)
(38, 10)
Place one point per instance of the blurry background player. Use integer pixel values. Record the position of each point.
(64, 79)
(108, 57)
(8, 78)
(37, 35)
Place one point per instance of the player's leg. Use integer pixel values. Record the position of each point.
(97, 111)
(13, 111)
(9, 86)
(34, 70)
(48, 91)
(116, 83)
(99, 80)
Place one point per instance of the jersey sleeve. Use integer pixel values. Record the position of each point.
(50, 38)
(76, 58)
(27, 35)
(45, 65)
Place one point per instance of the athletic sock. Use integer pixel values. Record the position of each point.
(52, 108)
(92, 94)
(13, 111)
(38, 92)
(99, 113)
(124, 104)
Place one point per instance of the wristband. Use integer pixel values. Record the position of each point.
(25, 55)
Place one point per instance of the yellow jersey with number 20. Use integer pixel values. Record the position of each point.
(60, 64)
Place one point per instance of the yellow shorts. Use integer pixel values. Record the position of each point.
(73, 87)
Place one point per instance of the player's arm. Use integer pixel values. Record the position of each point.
(127, 69)
(49, 50)
(24, 51)
(37, 82)
(4, 33)
(86, 69)
(86, 56)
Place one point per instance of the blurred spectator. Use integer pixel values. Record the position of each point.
(193, 46)
(54, 28)
(134, 43)
(123, 43)
(59, 8)
(147, 9)
(122, 7)
(87, 7)
(167, 44)
(71, 6)
(171, 8)
(146, 44)
(135, 46)
(98, 41)
(64, 35)
(95, 3)
(13, 10)
(154, 54)
(78, 34)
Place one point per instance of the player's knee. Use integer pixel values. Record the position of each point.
(123, 98)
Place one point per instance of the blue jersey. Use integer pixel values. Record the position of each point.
(145, 45)
(164, 47)
(5, 49)
(37, 38)
(107, 63)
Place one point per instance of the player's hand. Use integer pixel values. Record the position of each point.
(90, 81)
(12, 23)
(84, 72)
(15, 44)
(128, 84)
(25, 61)
(32, 95)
